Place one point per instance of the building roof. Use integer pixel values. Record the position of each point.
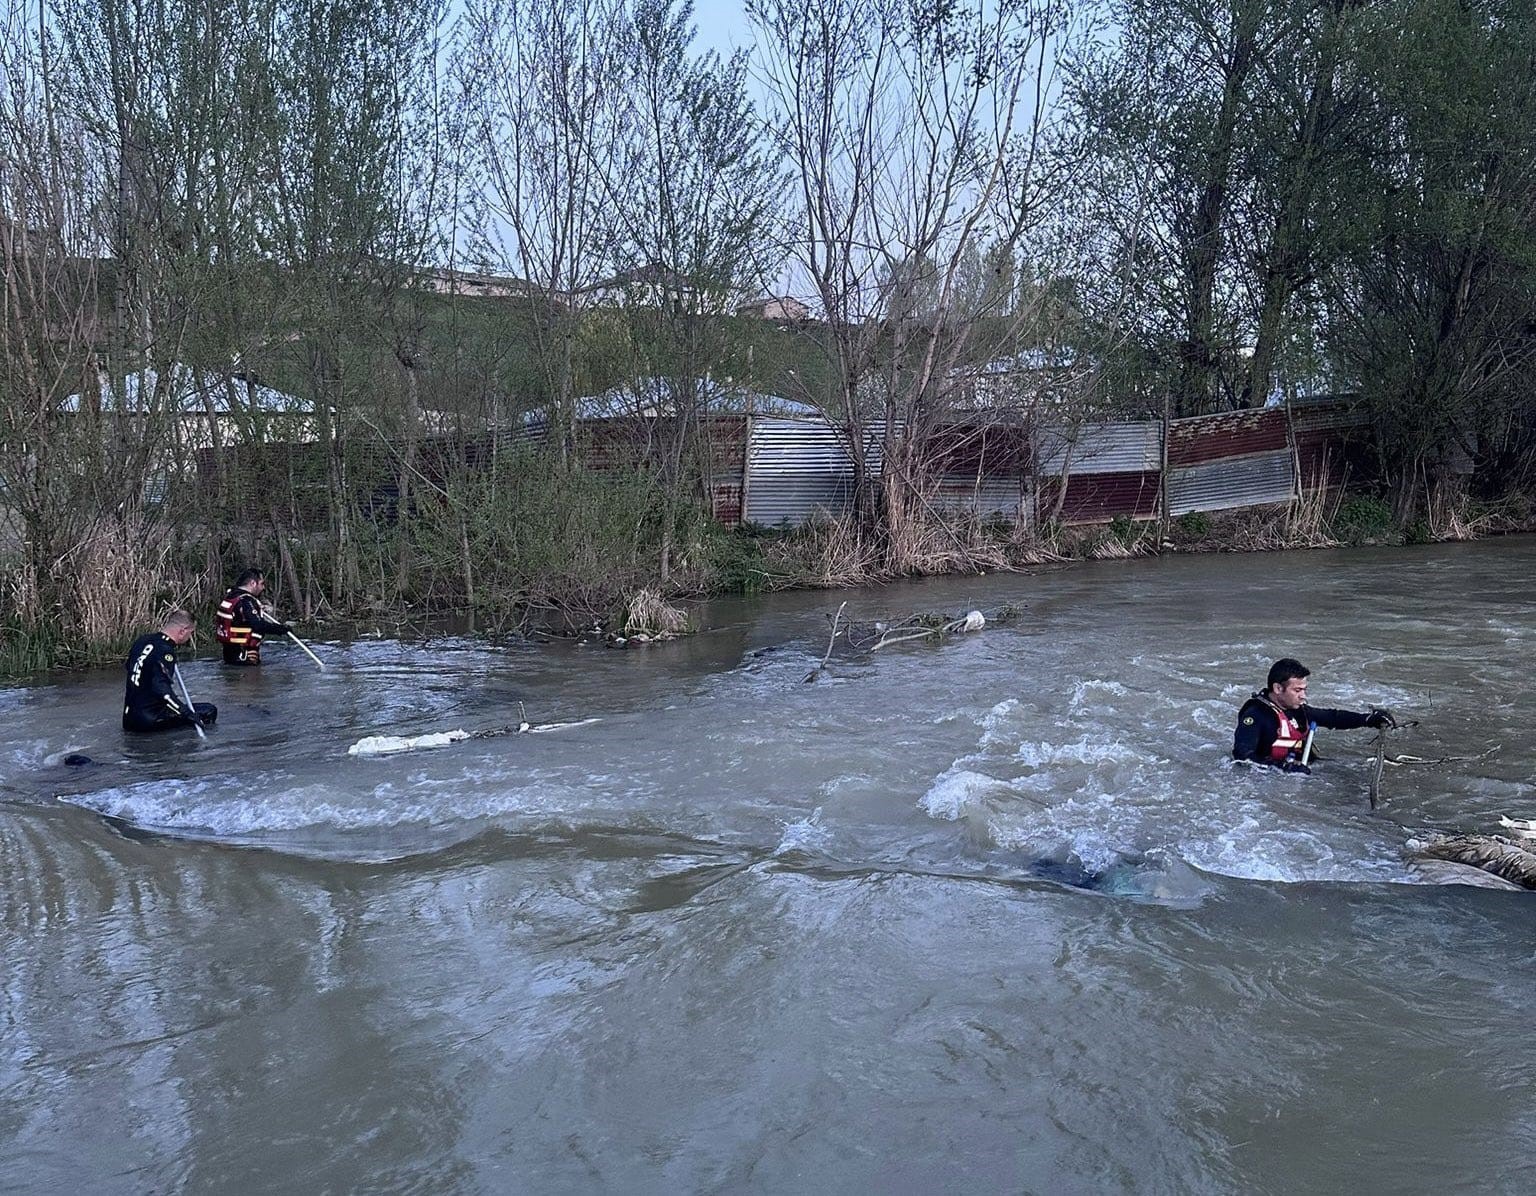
(189, 392)
(649, 398)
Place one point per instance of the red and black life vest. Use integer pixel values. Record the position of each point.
(1290, 738)
(232, 624)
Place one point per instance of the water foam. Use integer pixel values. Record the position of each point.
(1088, 695)
(1101, 801)
(225, 807)
(197, 806)
(806, 836)
(1083, 751)
(960, 792)
(995, 723)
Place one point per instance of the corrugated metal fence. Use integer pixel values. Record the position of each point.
(797, 469)
(1089, 473)
(1235, 459)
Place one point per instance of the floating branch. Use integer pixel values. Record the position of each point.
(831, 640)
(926, 627)
(1380, 760)
(388, 745)
(935, 627)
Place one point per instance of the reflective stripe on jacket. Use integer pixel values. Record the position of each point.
(232, 622)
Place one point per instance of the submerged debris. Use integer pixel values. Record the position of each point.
(1493, 855)
(932, 626)
(1449, 872)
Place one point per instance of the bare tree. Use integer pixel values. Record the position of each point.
(918, 135)
(692, 188)
(542, 92)
(45, 309)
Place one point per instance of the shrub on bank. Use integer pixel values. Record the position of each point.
(527, 536)
(1362, 519)
(736, 561)
(1191, 527)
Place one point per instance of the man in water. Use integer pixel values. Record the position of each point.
(240, 624)
(151, 702)
(1272, 726)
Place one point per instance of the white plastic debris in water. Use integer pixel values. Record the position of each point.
(540, 728)
(974, 621)
(383, 745)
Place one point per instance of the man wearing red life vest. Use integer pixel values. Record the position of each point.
(239, 624)
(1272, 726)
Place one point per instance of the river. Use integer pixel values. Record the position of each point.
(995, 915)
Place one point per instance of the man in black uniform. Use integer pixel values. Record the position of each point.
(1272, 726)
(240, 624)
(151, 702)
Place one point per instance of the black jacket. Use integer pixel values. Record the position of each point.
(1258, 725)
(151, 693)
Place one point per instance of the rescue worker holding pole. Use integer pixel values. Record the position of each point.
(240, 625)
(150, 701)
(1275, 727)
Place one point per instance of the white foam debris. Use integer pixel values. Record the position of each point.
(1524, 827)
(974, 621)
(540, 728)
(383, 745)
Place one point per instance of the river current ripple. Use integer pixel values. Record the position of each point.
(997, 914)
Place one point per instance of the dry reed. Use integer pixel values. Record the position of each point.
(1449, 517)
(649, 614)
(25, 600)
(1310, 519)
(826, 554)
(109, 578)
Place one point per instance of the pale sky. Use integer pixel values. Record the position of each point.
(722, 24)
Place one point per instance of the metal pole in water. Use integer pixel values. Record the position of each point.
(197, 723)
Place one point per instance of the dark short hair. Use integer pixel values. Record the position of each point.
(250, 575)
(1285, 670)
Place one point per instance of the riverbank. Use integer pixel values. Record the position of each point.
(598, 579)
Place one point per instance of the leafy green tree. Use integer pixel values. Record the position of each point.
(1428, 306)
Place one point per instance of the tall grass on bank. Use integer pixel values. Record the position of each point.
(114, 580)
(532, 543)
(114, 577)
(528, 541)
(26, 650)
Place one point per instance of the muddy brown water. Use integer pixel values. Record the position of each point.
(747, 934)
